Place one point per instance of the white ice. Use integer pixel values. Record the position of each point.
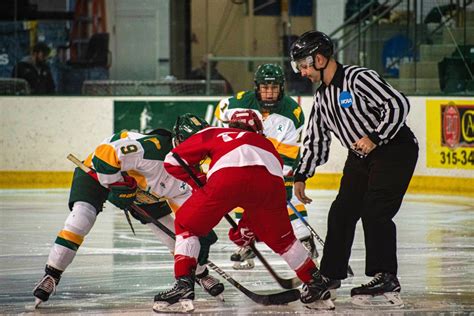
(116, 272)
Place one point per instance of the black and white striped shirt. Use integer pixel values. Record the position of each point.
(357, 103)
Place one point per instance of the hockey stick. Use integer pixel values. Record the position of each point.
(280, 298)
(284, 283)
(313, 232)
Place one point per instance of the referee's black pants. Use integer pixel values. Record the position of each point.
(371, 189)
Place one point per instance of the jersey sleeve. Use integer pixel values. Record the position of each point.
(106, 163)
(315, 145)
(393, 105)
(289, 146)
(221, 113)
(107, 160)
(191, 151)
(226, 107)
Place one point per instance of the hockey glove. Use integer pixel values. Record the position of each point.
(122, 194)
(289, 181)
(242, 236)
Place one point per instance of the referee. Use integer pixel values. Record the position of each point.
(367, 116)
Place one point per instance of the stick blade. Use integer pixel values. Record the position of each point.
(282, 298)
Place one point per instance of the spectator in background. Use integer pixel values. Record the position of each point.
(200, 74)
(35, 70)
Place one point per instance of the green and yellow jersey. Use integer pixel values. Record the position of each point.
(141, 157)
(282, 126)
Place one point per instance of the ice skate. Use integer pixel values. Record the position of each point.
(308, 243)
(332, 285)
(243, 259)
(47, 285)
(316, 295)
(210, 284)
(382, 291)
(178, 299)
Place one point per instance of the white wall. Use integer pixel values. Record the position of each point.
(139, 38)
(37, 133)
(329, 15)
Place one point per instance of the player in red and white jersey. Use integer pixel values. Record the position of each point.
(245, 171)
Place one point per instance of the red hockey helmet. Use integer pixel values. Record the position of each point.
(248, 120)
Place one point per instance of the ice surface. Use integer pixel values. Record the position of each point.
(116, 272)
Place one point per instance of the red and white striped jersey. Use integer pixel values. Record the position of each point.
(226, 148)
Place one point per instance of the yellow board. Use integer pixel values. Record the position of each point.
(322, 181)
(450, 134)
(418, 184)
(35, 179)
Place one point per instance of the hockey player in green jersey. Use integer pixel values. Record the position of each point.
(122, 164)
(283, 121)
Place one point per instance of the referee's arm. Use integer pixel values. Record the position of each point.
(315, 145)
(393, 105)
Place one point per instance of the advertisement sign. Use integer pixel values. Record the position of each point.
(144, 116)
(450, 134)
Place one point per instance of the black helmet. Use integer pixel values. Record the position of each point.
(266, 74)
(187, 125)
(309, 44)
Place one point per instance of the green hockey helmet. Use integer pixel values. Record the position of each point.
(187, 125)
(266, 74)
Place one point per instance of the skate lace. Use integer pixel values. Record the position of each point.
(175, 286)
(377, 278)
(242, 251)
(47, 284)
(208, 282)
(304, 288)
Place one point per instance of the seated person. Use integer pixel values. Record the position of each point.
(35, 70)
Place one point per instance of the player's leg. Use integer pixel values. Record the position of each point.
(160, 211)
(243, 257)
(392, 167)
(299, 228)
(178, 195)
(86, 199)
(209, 283)
(194, 219)
(268, 218)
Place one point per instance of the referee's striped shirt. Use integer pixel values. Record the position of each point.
(357, 103)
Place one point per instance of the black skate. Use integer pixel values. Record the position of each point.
(383, 290)
(315, 294)
(243, 258)
(210, 284)
(332, 285)
(178, 299)
(308, 243)
(47, 285)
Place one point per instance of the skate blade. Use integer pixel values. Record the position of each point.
(37, 302)
(220, 297)
(321, 305)
(333, 293)
(390, 299)
(248, 264)
(183, 306)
